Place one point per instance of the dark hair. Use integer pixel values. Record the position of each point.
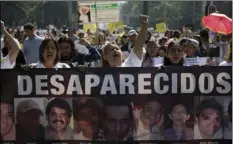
(60, 103)
(167, 61)
(65, 39)
(104, 51)
(29, 26)
(183, 41)
(125, 104)
(176, 34)
(180, 103)
(209, 103)
(42, 48)
(204, 34)
(84, 103)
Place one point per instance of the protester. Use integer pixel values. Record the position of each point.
(228, 61)
(49, 55)
(179, 131)
(28, 126)
(162, 52)
(174, 56)
(58, 114)
(113, 57)
(190, 48)
(149, 125)
(8, 131)
(127, 47)
(8, 62)
(209, 114)
(201, 51)
(87, 116)
(69, 55)
(152, 50)
(31, 45)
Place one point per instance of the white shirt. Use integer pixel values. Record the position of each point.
(84, 18)
(132, 61)
(58, 65)
(6, 64)
(225, 63)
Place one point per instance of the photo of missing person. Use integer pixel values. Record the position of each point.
(85, 13)
(228, 120)
(149, 119)
(8, 132)
(118, 121)
(29, 119)
(209, 119)
(87, 114)
(179, 120)
(58, 115)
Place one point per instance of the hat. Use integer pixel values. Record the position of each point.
(193, 42)
(132, 32)
(28, 105)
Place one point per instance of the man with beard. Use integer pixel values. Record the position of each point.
(149, 124)
(58, 114)
(7, 120)
(179, 131)
(118, 121)
(209, 115)
(28, 127)
(87, 116)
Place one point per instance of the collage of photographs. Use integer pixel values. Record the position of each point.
(102, 119)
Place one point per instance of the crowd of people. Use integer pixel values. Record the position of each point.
(133, 48)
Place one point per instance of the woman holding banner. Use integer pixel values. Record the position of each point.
(113, 56)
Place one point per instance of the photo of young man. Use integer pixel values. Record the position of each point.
(209, 115)
(87, 119)
(29, 126)
(149, 121)
(179, 114)
(58, 115)
(228, 125)
(118, 121)
(7, 120)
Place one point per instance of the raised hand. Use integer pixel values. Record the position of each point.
(144, 20)
(2, 25)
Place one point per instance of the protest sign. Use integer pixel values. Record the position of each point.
(87, 104)
(99, 12)
(200, 61)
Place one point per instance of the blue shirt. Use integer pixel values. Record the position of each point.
(31, 49)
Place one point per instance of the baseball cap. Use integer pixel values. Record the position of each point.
(193, 42)
(28, 105)
(132, 32)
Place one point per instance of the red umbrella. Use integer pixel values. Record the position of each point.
(219, 23)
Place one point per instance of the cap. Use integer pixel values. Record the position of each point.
(28, 105)
(193, 42)
(132, 32)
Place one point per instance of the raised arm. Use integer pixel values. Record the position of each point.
(140, 41)
(14, 46)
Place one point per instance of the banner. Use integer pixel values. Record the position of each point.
(105, 105)
(161, 27)
(99, 12)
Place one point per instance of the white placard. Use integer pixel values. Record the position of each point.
(195, 61)
(158, 61)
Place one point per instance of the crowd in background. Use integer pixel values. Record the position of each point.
(69, 48)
